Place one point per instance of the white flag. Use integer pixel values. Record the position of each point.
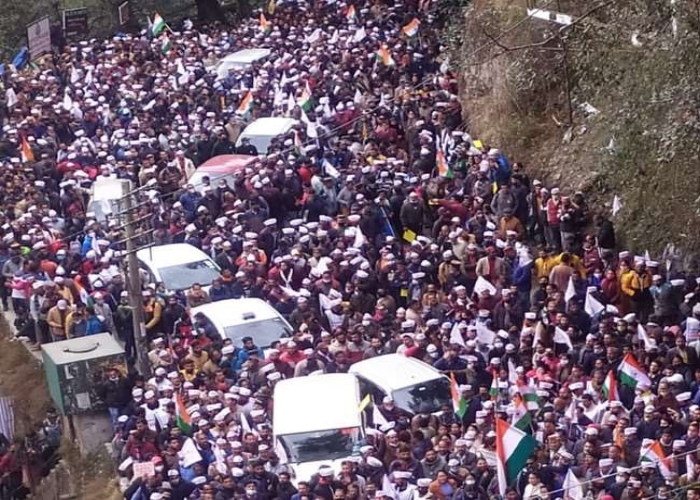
(334, 38)
(616, 205)
(67, 102)
(360, 35)
(456, 335)
(314, 37)
(561, 337)
(11, 97)
(88, 78)
(592, 305)
(642, 335)
(484, 335)
(291, 102)
(483, 284)
(572, 487)
(74, 76)
(183, 75)
(358, 97)
(570, 290)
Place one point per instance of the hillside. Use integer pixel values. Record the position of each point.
(634, 95)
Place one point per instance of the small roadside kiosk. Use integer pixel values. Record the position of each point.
(73, 368)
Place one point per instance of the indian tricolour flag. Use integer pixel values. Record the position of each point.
(443, 167)
(165, 44)
(384, 56)
(182, 418)
(265, 25)
(610, 387)
(305, 99)
(350, 13)
(158, 25)
(513, 447)
(246, 104)
(631, 373)
(459, 404)
(655, 454)
(529, 395)
(411, 29)
(521, 417)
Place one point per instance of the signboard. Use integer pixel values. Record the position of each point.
(39, 38)
(75, 23)
(124, 13)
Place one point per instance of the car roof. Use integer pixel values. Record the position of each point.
(230, 312)
(226, 164)
(395, 371)
(247, 55)
(269, 126)
(108, 189)
(170, 255)
(338, 391)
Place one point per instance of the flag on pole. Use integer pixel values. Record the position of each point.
(350, 14)
(359, 35)
(592, 306)
(513, 448)
(493, 391)
(561, 337)
(655, 454)
(305, 100)
(411, 29)
(182, 418)
(459, 404)
(158, 25)
(521, 417)
(642, 335)
(26, 152)
(384, 56)
(610, 387)
(631, 373)
(165, 45)
(443, 167)
(529, 395)
(246, 104)
(572, 486)
(265, 26)
(570, 290)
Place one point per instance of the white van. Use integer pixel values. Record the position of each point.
(263, 130)
(415, 387)
(238, 318)
(240, 60)
(178, 266)
(308, 436)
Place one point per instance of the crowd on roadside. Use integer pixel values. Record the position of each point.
(377, 225)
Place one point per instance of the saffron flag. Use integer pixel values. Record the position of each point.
(631, 373)
(182, 418)
(246, 104)
(158, 25)
(610, 387)
(443, 167)
(513, 448)
(459, 404)
(350, 14)
(411, 29)
(26, 151)
(265, 26)
(384, 57)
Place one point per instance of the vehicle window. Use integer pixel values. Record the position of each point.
(428, 397)
(320, 445)
(261, 142)
(183, 276)
(263, 333)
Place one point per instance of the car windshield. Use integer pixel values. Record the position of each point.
(263, 333)
(183, 276)
(261, 142)
(428, 397)
(320, 445)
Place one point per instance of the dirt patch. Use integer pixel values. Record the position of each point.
(22, 380)
(94, 475)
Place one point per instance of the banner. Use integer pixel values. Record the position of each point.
(39, 38)
(75, 23)
(124, 13)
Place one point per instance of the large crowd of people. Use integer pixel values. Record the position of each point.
(377, 225)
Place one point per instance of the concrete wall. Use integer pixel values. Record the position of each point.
(55, 486)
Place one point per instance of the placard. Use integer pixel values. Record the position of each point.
(144, 469)
(75, 23)
(124, 13)
(39, 38)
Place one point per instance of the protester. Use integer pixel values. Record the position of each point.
(376, 225)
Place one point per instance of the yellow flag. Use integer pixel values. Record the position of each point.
(494, 188)
(409, 235)
(364, 403)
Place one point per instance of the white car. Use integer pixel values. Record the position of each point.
(240, 60)
(238, 318)
(178, 266)
(263, 130)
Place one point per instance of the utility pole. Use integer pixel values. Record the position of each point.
(134, 285)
